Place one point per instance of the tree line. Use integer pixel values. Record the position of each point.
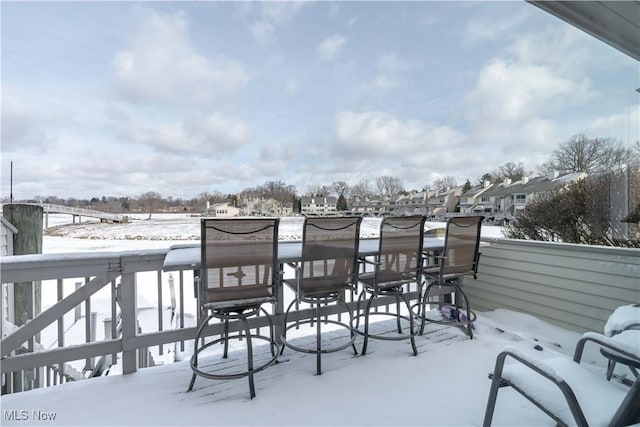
(579, 153)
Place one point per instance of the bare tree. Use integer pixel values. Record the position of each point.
(277, 190)
(579, 212)
(341, 188)
(511, 170)
(635, 153)
(362, 189)
(388, 186)
(445, 183)
(583, 154)
(318, 190)
(151, 201)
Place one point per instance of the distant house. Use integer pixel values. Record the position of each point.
(369, 207)
(287, 209)
(473, 201)
(443, 202)
(414, 203)
(319, 205)
(506, 199)
(224, 210)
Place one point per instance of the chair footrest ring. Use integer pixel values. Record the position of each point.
(391, 337)
(313, 350)
(237, 375)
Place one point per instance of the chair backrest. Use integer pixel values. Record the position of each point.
(239, 258)
(330, 250)
(400, 247)
(462, 240)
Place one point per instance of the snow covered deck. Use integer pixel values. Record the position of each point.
(446, 384)
(572, 286)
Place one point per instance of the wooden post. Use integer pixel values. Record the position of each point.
(28, 220)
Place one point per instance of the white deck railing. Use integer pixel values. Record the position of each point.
(118, 276)
(550, 280)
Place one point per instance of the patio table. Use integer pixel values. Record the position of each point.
(187, 257)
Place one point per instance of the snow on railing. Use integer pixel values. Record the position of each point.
(52, 208)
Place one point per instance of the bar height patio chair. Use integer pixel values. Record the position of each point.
(397, 264)
(459, 259)
(238, 274)
(327, 270)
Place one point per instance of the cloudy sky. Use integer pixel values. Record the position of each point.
(120, 98)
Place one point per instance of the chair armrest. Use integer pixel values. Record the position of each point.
(536, 365)
(539, 367)
(607, 342)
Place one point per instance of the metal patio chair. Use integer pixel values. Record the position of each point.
(444, 278)
(565, 390)
(397, 264)
(239, 272)
(327, 270)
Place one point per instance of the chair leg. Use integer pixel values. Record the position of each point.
(366, 324)
(360, 298)
(610, 367)
(272, 344)
(461, 296)
(352, 331)
(252, 389)
(398, 312)
(423, 310)
(411, 325)
(194, 361)
(493, 391)
(318, 342)
(226, 339)
(284, 331)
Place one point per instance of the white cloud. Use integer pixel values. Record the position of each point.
(266, 17)
(389, 67)
(214, 134)
(331, 47)
(625, 123)
(492, 29)
(161, 65)
(374, 134)
(562, 49)
(26, 124)
(508, 92)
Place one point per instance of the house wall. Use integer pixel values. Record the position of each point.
(6, 248)
(6, 239)
(572, 286)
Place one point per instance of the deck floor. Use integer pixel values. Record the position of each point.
(446, 384)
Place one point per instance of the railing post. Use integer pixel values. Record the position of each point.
(77, 314)
(127, 301)
(107, 335)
